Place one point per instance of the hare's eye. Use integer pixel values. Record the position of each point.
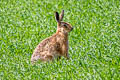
(65, 25)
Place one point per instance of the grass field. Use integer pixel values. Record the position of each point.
(94, 43)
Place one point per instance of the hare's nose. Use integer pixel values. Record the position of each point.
(71, 29)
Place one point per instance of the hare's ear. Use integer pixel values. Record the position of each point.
(57, 16)
(62, 15)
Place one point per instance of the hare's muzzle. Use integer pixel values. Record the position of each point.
(72, 28)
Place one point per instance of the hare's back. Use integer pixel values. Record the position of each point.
(42, 46)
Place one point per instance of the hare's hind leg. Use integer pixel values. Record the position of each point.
(35, 58)
(48, 57)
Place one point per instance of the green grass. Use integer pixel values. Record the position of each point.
(94, 44)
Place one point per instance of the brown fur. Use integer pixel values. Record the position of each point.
(56, 45)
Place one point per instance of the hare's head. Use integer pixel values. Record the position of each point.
(63, 27)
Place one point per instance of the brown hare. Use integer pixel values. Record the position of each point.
(56, 45)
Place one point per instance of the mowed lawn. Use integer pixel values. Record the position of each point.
(94, 44)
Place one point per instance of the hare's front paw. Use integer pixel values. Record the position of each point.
(67, 57)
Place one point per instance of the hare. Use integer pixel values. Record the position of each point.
(56, 45)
